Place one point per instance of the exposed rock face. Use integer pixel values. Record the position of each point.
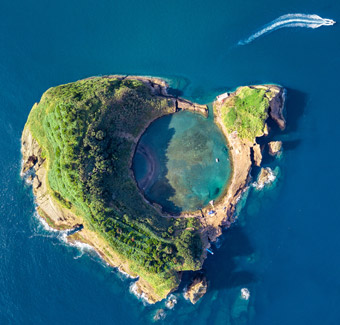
(265, 177)
(160, 314)
(171, 302)
(257, 155)
(31, 151)
(183, 104)
(62, 218)
(30, 162)
(36, 182)
(242, 152)
(275, 147)
(276, 108)
(197, 288)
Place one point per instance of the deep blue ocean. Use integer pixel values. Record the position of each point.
(285, 245)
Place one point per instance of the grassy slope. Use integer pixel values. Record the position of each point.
(247, 113)
(82, 129)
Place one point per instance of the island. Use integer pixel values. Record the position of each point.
(78, 145)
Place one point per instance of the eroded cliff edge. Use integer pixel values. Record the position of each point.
(244, 154)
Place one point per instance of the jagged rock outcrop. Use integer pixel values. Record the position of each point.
(257, 155)
(265, 177)
(36, 182)
(243, 155)
(275, 147)
(197, 289)
(276, 108)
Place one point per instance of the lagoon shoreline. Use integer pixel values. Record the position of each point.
(242, 153)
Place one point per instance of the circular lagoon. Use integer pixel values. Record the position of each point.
(181, 162)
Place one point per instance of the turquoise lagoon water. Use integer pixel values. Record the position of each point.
(182, 162)
(285, 245)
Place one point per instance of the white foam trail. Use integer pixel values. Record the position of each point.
(290, 20)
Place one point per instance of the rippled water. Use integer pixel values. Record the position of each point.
(182, 162)
(285, 245)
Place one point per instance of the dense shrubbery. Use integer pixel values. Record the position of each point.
(85, 130)
(247, 113)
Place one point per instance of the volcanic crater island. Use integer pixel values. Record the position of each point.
(95, 177)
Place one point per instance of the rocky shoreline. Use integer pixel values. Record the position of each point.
(244, 155)
(61, 218)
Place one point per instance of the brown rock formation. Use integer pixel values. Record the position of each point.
(265, 177)
(197, 289)
(276, 108)
(275, 147)
(257, 155)
(241, 154)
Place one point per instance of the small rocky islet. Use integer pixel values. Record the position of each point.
(78, 145)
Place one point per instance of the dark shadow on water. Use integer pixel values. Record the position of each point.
(296, 102)
(295, 105)
(160, 190)
(175, 92)
(222, 268)
(291, 144)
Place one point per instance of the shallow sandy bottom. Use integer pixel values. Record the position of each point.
(175, 163)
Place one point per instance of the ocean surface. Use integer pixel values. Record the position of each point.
(285, 244)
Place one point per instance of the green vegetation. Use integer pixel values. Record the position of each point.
(86, 131)
(246, 113)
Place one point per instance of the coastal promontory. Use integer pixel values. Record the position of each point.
(78, 145)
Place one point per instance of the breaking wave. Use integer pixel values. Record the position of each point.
(290, 20)
(140, 295)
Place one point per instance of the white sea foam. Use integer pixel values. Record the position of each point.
(62, 235)
(171, 302)
(290, 20)
(269, 180)
(83, 248)
(142, 296)
(44, 224)
(126, 275)
(160, 315)
(245, 293)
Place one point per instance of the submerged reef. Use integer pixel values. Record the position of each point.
(78, 144)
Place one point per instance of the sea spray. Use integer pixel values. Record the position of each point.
(241, 201)
(125, 274)
(62, 235)
(82, 247)
(289, 20)
(140, 295)
(171, 301)
(160, 315)
(245, 293)
(267, 178)
(44, 224)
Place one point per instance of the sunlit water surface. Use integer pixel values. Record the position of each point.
(182, 162)
(285, 245)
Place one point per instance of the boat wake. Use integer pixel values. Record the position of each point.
(290, 20)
